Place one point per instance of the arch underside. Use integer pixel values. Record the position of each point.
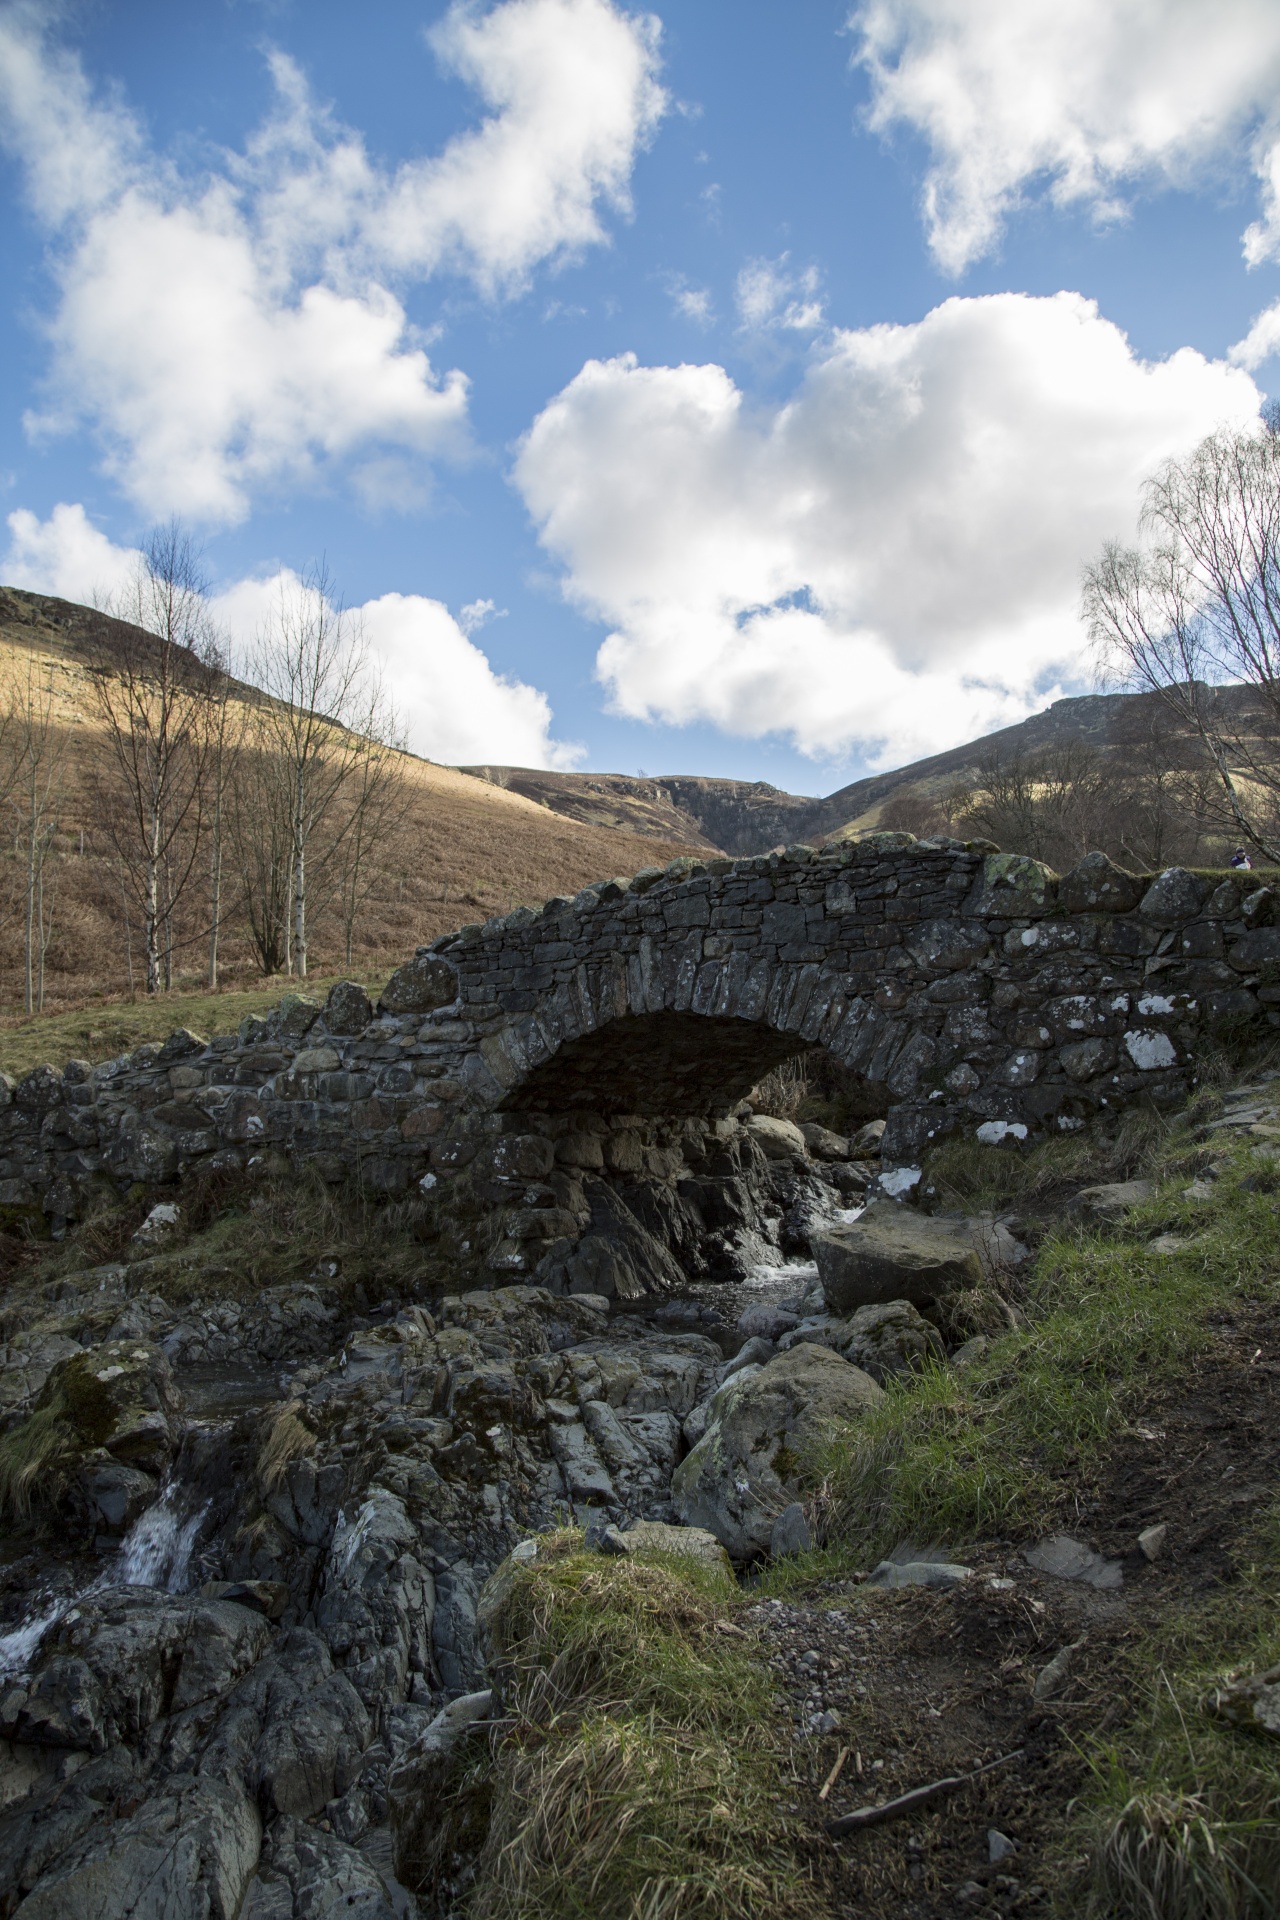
(657, 1063)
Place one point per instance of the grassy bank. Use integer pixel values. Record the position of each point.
(105, 1029)
(635, 1778)
(1180, 1817)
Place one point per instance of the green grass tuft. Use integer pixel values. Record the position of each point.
(636, 1777)
(34, 1460)
(995, 1449)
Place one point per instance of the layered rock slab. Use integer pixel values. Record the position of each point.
(894, 1254)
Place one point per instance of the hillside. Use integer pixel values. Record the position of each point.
(469, 848)
(744, 817)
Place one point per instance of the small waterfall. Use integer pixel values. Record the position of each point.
(16, 1648)
(156, 1551)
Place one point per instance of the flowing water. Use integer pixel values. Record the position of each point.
(156, 1552)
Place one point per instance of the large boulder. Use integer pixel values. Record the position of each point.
(420, 986)
(886, 1338)
(190, 1849)
(778, 1139)
(118, 1661)
(747, 1466)
(1096, 885)
(113, 1403)
(892, 1253)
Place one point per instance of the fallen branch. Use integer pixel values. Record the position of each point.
(908, 1802)
(834, 1774)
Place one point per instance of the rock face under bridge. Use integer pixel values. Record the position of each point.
(966, 989)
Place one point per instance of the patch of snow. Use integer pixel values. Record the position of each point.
(899, 1180)
(993, 1133)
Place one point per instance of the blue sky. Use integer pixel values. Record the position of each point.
(736, 389)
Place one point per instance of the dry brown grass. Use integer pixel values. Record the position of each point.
(468, 850)
(287, 1438)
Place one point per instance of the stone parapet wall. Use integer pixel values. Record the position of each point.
(966, 988)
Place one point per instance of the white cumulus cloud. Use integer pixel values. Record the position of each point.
(1088, 97)
(243, 327)
(455, 708)
(889, 559)
(66, 556)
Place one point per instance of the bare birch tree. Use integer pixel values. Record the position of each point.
(152, 688)
(312, 661)
(226, 722)
(379, 801)
(39, 749)
(1196, 607)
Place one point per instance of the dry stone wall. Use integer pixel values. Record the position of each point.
(966, 988)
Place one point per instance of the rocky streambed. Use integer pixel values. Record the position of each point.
(261, 1527)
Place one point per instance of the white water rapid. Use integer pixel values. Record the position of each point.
(156, 1552)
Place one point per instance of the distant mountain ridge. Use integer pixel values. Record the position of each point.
(745, 816)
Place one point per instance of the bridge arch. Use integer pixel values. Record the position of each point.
(968, 987)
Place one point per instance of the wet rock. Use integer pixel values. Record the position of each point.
(822, 1143)
(893, 1254)
(746, 1467)
(619, 1258)
(305, 1874)
(453, 1636)
(115, 1494)
(51, 1801)
(766, 1321)
(189, 1851)
(586, 1477)
(752, 1353)
(115, 1663)
(293, 1731)
(378, 1604)
(267, 1597)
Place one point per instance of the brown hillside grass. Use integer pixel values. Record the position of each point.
(467, 850)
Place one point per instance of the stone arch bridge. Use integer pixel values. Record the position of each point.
(963, 987)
